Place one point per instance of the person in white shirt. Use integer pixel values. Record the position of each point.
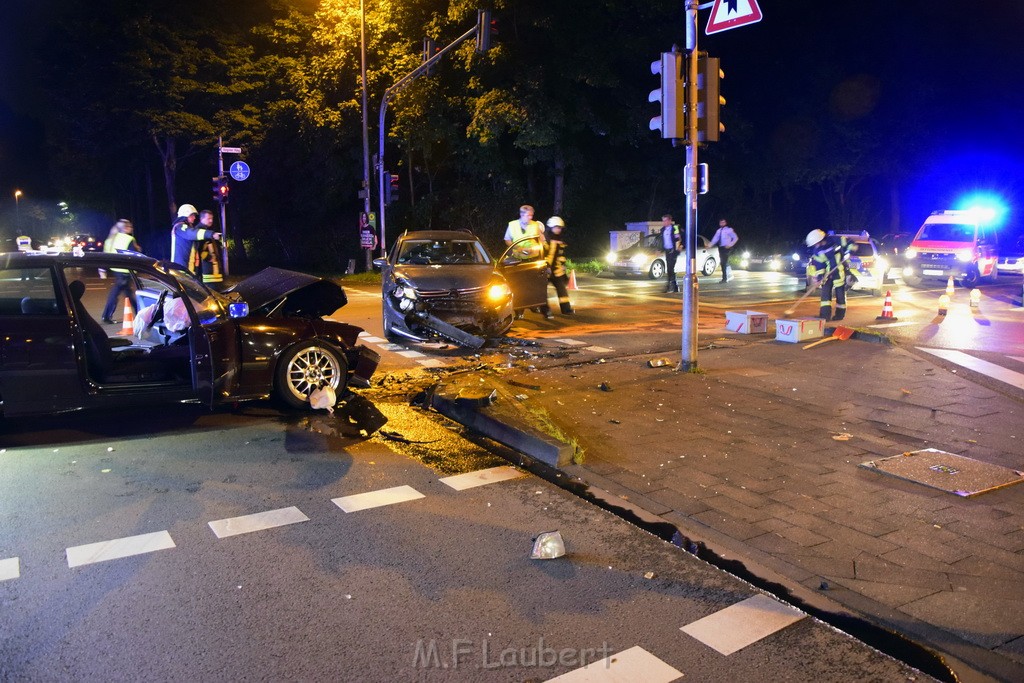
(526, 227)
(725, 238)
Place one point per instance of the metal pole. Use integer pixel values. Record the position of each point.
(223, 208)
(688, 362)
(366, 139)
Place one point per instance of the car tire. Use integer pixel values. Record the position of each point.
(912, 280)
(971, 278)
(709, 266)
(304, 367)
(657, 269)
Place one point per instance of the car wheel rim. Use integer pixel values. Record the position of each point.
(657, 270)
(311, 368)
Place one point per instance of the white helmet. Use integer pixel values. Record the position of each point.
(556, 222)
(186, 210)
(814, 236)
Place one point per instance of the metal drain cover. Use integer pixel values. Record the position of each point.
(946, 471)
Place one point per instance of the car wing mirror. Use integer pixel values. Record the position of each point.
(379, 262)
(238, 309)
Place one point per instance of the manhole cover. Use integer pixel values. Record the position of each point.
(946, 471)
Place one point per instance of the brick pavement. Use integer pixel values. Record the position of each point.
(742, 457)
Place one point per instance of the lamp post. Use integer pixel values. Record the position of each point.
(17, 207)
(366, 139)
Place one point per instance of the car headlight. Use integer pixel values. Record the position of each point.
(796, 256)
(744, 263)
(638, 259)
(773, 264)
(404, 291)
(965, 255)
(498, 292)
(911, 252)
(746, 254)
(611, 257)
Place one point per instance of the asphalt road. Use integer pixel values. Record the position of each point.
(243, 547)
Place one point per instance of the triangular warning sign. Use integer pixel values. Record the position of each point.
(727, 14)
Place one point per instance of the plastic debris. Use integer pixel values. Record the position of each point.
(649, 575)
(658, 362)
(906, 392)
(323, 398)
(604, 386)
(844, 436)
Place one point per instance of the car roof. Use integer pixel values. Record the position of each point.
(22, 258)
(439, 235)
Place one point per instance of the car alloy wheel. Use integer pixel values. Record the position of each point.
(657, 269)
(709, 266)
(305, 367)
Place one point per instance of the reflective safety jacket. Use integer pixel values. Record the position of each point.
(120, 243)
(554, 253)
(187, 244)
(831, 259)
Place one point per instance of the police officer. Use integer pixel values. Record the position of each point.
(829, 266)
(555, 256)
(120, 240)
(672, 243)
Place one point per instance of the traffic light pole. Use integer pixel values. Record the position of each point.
(223, 208)
(688, 363)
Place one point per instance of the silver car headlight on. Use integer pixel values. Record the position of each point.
(611, 257)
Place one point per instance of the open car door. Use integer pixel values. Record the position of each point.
(527, 275)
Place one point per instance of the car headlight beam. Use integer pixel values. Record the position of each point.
(498, 292)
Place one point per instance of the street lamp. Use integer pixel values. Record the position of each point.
(17, 207)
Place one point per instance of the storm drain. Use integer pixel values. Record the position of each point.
(946, 471)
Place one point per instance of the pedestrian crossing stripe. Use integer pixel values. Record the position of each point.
(10, 568)
(737, 626)
(259, 521)
(431, 363)
(1011, 377)
(572, 342)
(461, 482)
(117, 548)
(598, 349)
(634, 664)
(373, 340)
(373, 499)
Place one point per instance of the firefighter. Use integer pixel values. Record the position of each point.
(828, 267)
(554, 253)
(187, 240)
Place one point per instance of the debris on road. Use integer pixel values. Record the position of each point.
(604, 386)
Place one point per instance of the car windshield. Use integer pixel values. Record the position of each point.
(443, 251)
(862, 249)
(947, 232)
(209, 305)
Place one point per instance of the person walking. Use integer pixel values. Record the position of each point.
(525, 227)
(185, 238)
(555, 256)
(211, 252)
(828, 267)
(672, 243)
(725, 239)
(120, 240)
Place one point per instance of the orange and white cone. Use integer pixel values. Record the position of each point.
(949, 286)
(572, 286)
(887, 308)
(128, 325)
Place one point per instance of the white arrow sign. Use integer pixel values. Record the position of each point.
(727, 14)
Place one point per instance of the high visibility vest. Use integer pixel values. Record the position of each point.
(121, 242)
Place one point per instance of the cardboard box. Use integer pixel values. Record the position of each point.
(746, 322)
(799, 329)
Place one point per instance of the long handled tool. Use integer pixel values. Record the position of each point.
(841, 333)
(810, 290)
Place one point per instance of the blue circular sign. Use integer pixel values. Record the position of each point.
(239, 170)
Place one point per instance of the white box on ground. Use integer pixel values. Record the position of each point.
(799, 329)
(746, 322)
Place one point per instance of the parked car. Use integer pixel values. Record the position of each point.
(266, 336)
(445, 284)
(87, 243)
(1011, 255)
(789, 259)
(647, 258)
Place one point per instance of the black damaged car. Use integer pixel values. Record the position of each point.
(265, 337)
(445, 284)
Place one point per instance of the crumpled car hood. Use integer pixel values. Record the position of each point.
(304, 295)
(430, 278)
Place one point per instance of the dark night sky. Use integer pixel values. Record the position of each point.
(970, 53)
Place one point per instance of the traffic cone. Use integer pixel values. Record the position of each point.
(128, 325)
(975, 297)
(887, 308)
(572, 281)
(943, 304)
(949, 286)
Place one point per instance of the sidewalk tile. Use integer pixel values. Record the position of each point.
(802, 536)
(735, 508)
(979, 566)
(880, 571)
(905, 557)
(728, 525)
(889, 594)
(976, 619)
(679, 502)
(1011, 591)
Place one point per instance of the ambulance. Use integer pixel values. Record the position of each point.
(955, 244)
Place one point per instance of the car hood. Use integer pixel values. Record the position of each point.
(305, 295)
(436, 278)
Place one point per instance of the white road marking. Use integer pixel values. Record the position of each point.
(431, 363)
(10, 568)
(1011, 377)
(634, 664)
(410, 354)
(899, 324)
(119, 547)
(393, 347)
(461, 482)
(374, 499)
(598, 349)
(1018, 358)
(372, 339)
(259, 521)
(742, 624)
(572, 342)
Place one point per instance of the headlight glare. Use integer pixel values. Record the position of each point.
(911, 252)
(498, 292)
(638, 259)
(611, 257)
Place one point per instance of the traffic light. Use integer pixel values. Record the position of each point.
(216, 188)
(391, 189)
(221, 189)
(672, 121)
(430, 49)
(486, 29)
(709, 98)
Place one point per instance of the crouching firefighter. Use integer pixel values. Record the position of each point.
(555, 256)
(829, 267)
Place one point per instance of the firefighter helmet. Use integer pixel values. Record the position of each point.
(814, 236)
(556, 222)
(186, 210)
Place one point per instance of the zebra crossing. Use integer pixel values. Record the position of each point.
(997, 371)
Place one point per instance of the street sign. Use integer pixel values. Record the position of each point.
(231, 150)
(727, 14)
(239, 170)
